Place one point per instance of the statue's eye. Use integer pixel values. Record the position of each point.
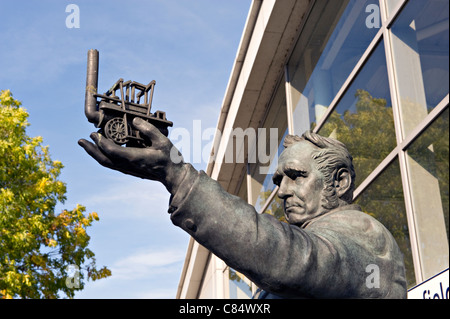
(295, 173)
(277, 178)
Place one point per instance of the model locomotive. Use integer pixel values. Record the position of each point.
(114, 111)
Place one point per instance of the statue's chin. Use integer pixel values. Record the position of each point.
(295, 215)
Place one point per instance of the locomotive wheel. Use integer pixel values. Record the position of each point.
(115, 130)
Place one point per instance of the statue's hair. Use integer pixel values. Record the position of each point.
(330, 156)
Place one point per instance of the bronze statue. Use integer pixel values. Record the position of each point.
(326, 249)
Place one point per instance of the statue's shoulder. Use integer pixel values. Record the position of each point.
(350, 220)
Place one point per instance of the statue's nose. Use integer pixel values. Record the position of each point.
(284, 189)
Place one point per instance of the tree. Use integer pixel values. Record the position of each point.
(41, 252)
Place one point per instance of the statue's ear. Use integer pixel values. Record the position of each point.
(342, 181)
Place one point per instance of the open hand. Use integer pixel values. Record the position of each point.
(161, 161)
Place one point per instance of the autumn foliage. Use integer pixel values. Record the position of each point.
(38, 246)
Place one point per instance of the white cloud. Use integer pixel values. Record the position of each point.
(133, 197)
(145, 274)
(146, 264)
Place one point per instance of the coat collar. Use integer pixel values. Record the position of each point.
(335, 210)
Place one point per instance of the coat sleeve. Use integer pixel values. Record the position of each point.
(280, 258)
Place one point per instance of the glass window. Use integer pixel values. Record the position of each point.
(334, 39)
(420, 45)
(363, 118)
(262, 184)
(276, 209)
(428, 172)
(242, 193)
(263, 162)
(391, 5)
(384, 200)
(239, 285)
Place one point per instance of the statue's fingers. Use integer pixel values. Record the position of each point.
(149, 132)
(95, 152)
(111, 150)
(102, 159)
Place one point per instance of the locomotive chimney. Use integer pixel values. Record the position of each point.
(90, 102)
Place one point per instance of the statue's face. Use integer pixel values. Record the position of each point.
(300, 183)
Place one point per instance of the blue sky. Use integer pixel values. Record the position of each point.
(188, 47)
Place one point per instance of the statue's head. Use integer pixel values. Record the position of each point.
(315, 174)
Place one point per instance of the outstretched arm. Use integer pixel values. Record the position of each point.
(280, 258)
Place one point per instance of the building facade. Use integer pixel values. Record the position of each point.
(373, 74)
